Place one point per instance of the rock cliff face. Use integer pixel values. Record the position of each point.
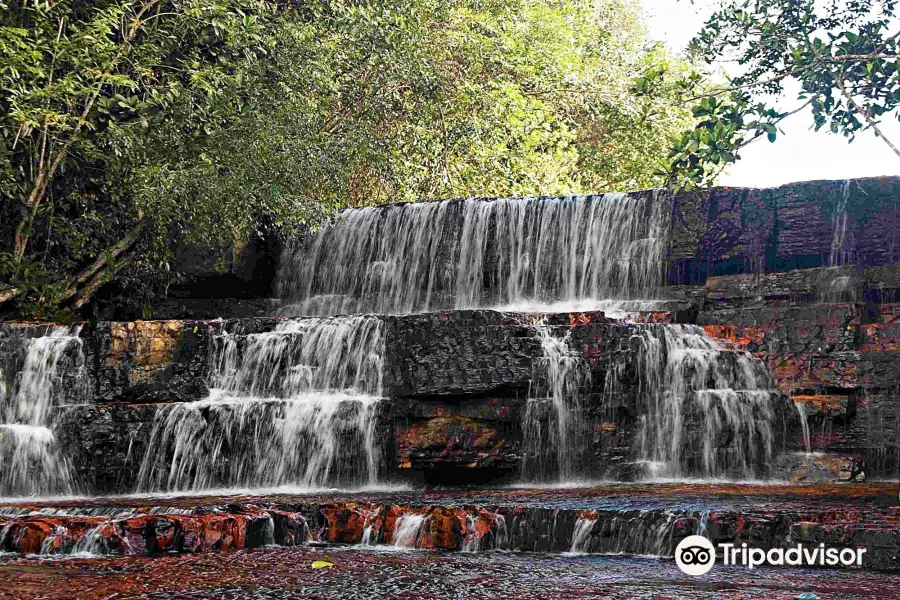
(806, 278)
(803, 277)
(456, 387)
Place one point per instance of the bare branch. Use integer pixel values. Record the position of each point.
(868, 117)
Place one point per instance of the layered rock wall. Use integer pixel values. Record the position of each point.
(803, 276)
(456, 387)
(806, 278)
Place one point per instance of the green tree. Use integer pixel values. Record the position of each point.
(843, 55)
(75, 78)
(366, 103)
(132, 127)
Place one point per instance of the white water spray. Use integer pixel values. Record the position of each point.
(707, 411)
(553, 424)
(475, 253)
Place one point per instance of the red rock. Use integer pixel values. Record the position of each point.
(133, 534)
(28, 535)
(345, 523)
(389, 523)
(479, 524)
(223, 532)
(443, 529)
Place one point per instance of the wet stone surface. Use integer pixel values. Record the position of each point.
(358, 573)
(622, 520)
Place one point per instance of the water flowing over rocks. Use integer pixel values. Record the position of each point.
(47, 367)
(638, 521)
(727, 334)
(438, 397)
(295, 405)
(513, 252)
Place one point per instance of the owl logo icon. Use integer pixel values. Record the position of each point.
(695, 555)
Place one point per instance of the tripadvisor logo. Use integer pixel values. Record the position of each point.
(696, 555)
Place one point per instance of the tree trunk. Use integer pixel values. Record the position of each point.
(105, 258)
(98, 281)
(46, 175)
(95, 274)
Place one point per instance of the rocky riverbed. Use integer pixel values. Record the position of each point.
(282, 573)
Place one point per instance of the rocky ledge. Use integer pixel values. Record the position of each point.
(628, 521)
(455, 387)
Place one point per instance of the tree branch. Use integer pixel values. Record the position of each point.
(872, 123)
(816, 64)
(105, 258)
(38, 192)
(97, 282)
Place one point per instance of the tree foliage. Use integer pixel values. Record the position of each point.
(78, 81)
(842, 53)
(132, 126)
(409, 100)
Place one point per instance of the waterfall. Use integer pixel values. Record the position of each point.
(294, 406)
(497, 538)
(840, 242)
(552, 424)
(581, 537)
(368, 535)
(703, 522)
(517, 253)
(804, 425)
(705, 411)
(407, 530)
(53, 369)
(631, 532)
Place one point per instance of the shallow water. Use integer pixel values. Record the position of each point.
(361, 573)
(694, 495)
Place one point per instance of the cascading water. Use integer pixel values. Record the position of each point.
(53, 369)
(552, 424)
(518, 253)
(841, 241)
(581, 537)
(552, 254)
(294, 406)
(407, 530)
(644, 532)
(835, 284)
(804, 426)
(496, 539)
(706, 411)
